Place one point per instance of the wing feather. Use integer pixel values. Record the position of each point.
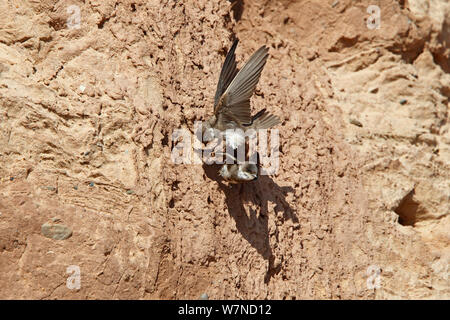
(228, 72)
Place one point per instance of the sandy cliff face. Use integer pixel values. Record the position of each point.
(360, 206)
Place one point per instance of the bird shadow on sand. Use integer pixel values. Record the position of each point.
(253, 223)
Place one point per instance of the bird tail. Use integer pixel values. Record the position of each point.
(264, 120)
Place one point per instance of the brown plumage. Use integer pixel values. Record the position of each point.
(240, 172)
(262, 120)
(232, 99)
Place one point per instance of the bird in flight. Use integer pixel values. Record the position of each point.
(232, 100)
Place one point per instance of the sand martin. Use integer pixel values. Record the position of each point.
(232, 100)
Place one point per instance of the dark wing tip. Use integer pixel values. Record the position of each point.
(228, 72)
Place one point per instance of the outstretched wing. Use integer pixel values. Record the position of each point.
(236, 98)
(229, 70)
(263, 120)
